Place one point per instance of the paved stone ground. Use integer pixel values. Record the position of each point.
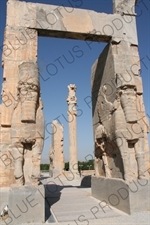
(72, 205)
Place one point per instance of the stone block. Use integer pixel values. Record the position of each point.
(5, 134)
(129, 198)
(6, 165)
(6, 176)
(20, 44)
(26, 205)
(139, 86)
(126, 7)
(7, 108)
(27, 168)
(4, 195)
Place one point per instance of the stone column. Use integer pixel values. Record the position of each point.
(56, 155)
(72, 113)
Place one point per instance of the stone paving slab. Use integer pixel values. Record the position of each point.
(71, 206)
(77, 205)
(142, 218)
(70, 203)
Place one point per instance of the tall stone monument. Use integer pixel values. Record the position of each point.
(72, 113)
(120, 123)
(56, 154)
(27, 126)
(22, 120)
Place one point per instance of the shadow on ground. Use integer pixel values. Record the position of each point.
(52, 195)
(86, 182)
(43, 178)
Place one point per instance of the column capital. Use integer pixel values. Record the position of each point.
(72, 99)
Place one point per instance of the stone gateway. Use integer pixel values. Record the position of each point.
(120, 124)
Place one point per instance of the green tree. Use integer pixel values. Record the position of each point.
(82, 165)
(67, 166)
(44, 167)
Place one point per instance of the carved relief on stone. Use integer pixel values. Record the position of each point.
(100, 152)
(72, 99)
(28, 88)
(27, 132)
(72, 113)
(128, 102)
(7, 104)
(122, 125)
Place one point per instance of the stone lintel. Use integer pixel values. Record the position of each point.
(74, 23)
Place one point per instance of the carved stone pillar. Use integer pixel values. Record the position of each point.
(72, 113)
(56, 155)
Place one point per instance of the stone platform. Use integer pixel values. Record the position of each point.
(26, 204)
(129, 198)
(69, 203)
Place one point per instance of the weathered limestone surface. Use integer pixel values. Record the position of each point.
(72, 113)
(3, 197)
(6, 158)
(120, 123)
(65, 22)
(27, 131)
(21, 108)
(26, 204)
(6, 165)
(129, 198)
(56, 155)
(125, 7)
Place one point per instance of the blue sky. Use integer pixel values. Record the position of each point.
(54, 88)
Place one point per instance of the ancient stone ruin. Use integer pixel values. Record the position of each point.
(72, 113)
(120, 125)
(56, 155)
(23, 126)
(119, 119)
(120, 122)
